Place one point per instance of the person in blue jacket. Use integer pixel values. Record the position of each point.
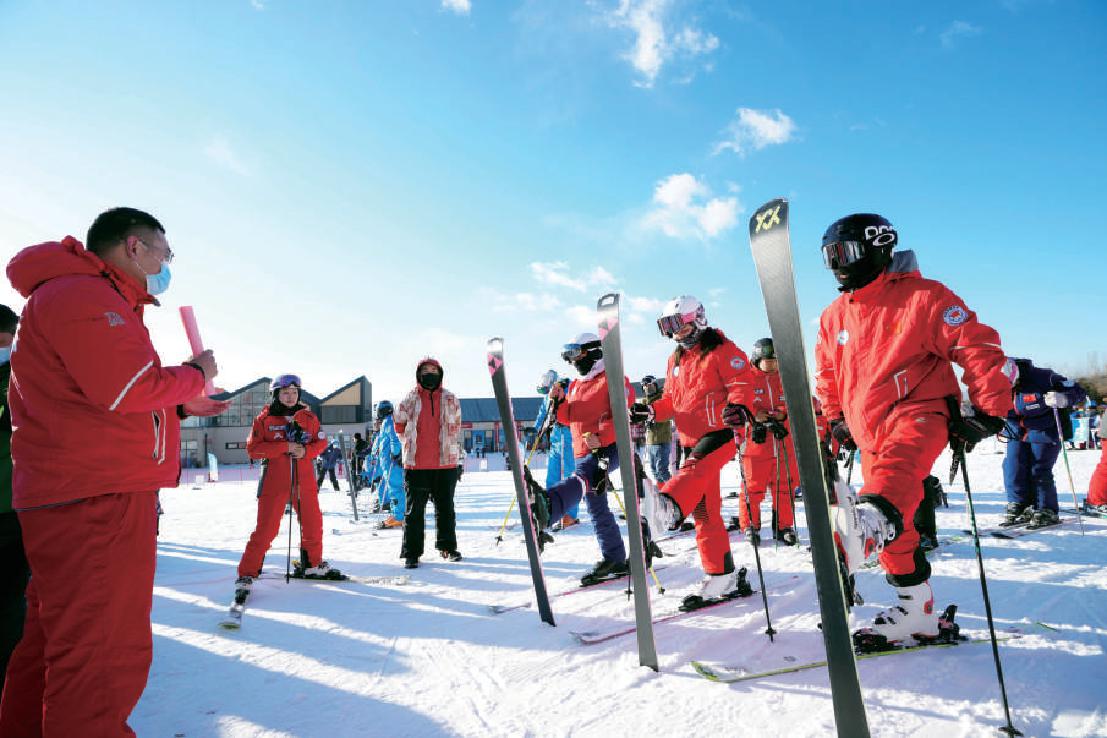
(386, 455)
(560, 462)
(1041, 397)
(328, 460)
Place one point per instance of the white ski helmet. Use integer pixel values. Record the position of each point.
(679, 312)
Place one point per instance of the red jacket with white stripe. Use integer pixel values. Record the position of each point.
(699, 385)
(886, 348)
(768, 397)
(587, 409)
(269, 441)
(93, 410)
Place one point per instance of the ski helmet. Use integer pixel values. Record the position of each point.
(284, 381)
(679, 312)
(546, 381)
(762, 349)
(858, 247)
(384, 409)
(583, 352)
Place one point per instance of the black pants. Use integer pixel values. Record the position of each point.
(436, 485)
(13, 582)
(323, 473)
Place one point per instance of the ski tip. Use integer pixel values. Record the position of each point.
(770, 215)
(610, 300)
(230, 625)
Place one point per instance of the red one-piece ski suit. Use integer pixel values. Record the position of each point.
(769, 466)
(283, 479)
(883, 362)
(699, 385)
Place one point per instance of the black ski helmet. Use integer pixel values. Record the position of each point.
(384, 409)
(858, 247)
(762, 349)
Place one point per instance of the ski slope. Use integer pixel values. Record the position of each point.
(430, 659)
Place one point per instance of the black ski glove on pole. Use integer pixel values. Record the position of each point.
(839, 431)
(640, 412)
(969, 430)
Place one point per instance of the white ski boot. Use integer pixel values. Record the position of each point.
(717, 588)
(661, 513)
(860, 528)
(913, 618)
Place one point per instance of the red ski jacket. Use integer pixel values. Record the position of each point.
(93, 410)
(768, 396)
(269, 440)
(700, 386)
(888, 346)
(587, 409)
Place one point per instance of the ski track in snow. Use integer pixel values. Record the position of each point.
(428, 659)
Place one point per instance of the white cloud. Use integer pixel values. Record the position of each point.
(601, 277)
(583, 317)
(555, 272)
(257, 4)
(684, 208)
(653, 48)
(461, 7)
(958, 30)
(528, 302)
(220, 151)
(756, 129)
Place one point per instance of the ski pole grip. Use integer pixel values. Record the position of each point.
(188, 319)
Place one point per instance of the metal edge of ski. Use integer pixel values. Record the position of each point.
(507, 421)
(732, 675)
(1025, 530)
(591, 637)
(578, 589)
(771, 247)
(607, 308)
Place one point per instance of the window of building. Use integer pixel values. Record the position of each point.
(232, 445)
(339, 414)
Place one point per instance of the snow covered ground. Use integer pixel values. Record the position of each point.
(429, 659)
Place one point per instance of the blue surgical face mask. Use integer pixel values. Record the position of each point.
(158, 283)
(5, 355)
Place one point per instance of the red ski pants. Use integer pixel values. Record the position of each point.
(768, 474)
(695, 487)
(1097, 489)
(86, 649)
(271, 508)
(906, 448)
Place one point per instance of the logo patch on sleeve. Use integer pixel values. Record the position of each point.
(955, 315)
(114, 319)
(737, 362)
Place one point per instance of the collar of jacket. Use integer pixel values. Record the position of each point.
(34, 266)
(904, 265)
(594, 371)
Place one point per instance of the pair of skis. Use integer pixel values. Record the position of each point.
(609, 331)
(233, 619)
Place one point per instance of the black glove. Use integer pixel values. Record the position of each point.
(640, 412)
(778, 430)
(736, 415)
(839, 431)
(460, 471)
(969, 430)
(759, 433)
(397, 460)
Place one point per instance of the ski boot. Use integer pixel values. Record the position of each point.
(860, 528)
(1043, 519)
(1016, 513)
(411, 563)
(605, 571)
(753, 536)
(322, 571)
(661, 513)
(733, 523)
(913, 621)
(389, 523)
(718, 588)
(539, 504)
(242, 588)
(787, 536)
(450, 555)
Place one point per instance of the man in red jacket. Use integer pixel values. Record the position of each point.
(96, 423)
(768, 459)
(884, 376)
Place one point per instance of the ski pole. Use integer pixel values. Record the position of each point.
(291, 487)
(756, 549)
(959, 450)
(1068, 469)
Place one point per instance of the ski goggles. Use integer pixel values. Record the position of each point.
(286, 380)
(571, 352)
(670, 325)
(843, 253)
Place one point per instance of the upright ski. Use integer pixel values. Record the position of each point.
(772, 255)
(347, 459)
(507, 419)
(608, 309)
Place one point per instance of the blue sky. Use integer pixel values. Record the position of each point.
(350, 186)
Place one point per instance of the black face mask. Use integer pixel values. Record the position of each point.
(856, 275)
(585, 363)
(430, 382)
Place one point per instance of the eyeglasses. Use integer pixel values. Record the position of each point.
(167, 252)
(842, 253)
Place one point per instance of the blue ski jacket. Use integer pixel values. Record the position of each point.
(386, 446)
(1032, 420)
(561, 440)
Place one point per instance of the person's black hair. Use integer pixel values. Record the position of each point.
(710, 340)
(112, 226)
(8, 319)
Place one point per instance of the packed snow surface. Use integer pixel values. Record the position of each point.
(429, 658)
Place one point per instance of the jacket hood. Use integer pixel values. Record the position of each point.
(431, 361)
(35, 265)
